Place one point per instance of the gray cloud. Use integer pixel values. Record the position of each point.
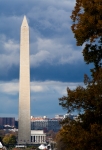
(53, 53)
(43, 95)
(49, 31)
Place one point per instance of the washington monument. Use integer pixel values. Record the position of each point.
(24, 128)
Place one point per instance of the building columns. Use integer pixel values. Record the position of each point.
(38, 139)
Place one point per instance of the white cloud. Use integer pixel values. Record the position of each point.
(39, 57)
(9, 87)
(37, 87)
(11, 46)
(54, 52)
(50, 15)
(51, 41)
(56, 86)
(9, 52)
(43, 94)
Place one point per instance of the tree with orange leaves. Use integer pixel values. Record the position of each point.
(87, 29)
(85, 132)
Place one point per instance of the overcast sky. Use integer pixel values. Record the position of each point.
(56, 62)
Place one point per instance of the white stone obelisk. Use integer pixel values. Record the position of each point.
(24, 127)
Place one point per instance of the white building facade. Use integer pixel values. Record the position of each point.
(38, 137)
(41, 123)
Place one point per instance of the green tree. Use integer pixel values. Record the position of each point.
(87, 29)
(9, 139)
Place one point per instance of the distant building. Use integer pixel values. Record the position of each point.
(70, 116)
(59, 116)
(38, 136)
(16, 124)
(7, 121)
(44, 123)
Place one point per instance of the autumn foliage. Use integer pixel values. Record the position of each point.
(85, 133)
(87, 29)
